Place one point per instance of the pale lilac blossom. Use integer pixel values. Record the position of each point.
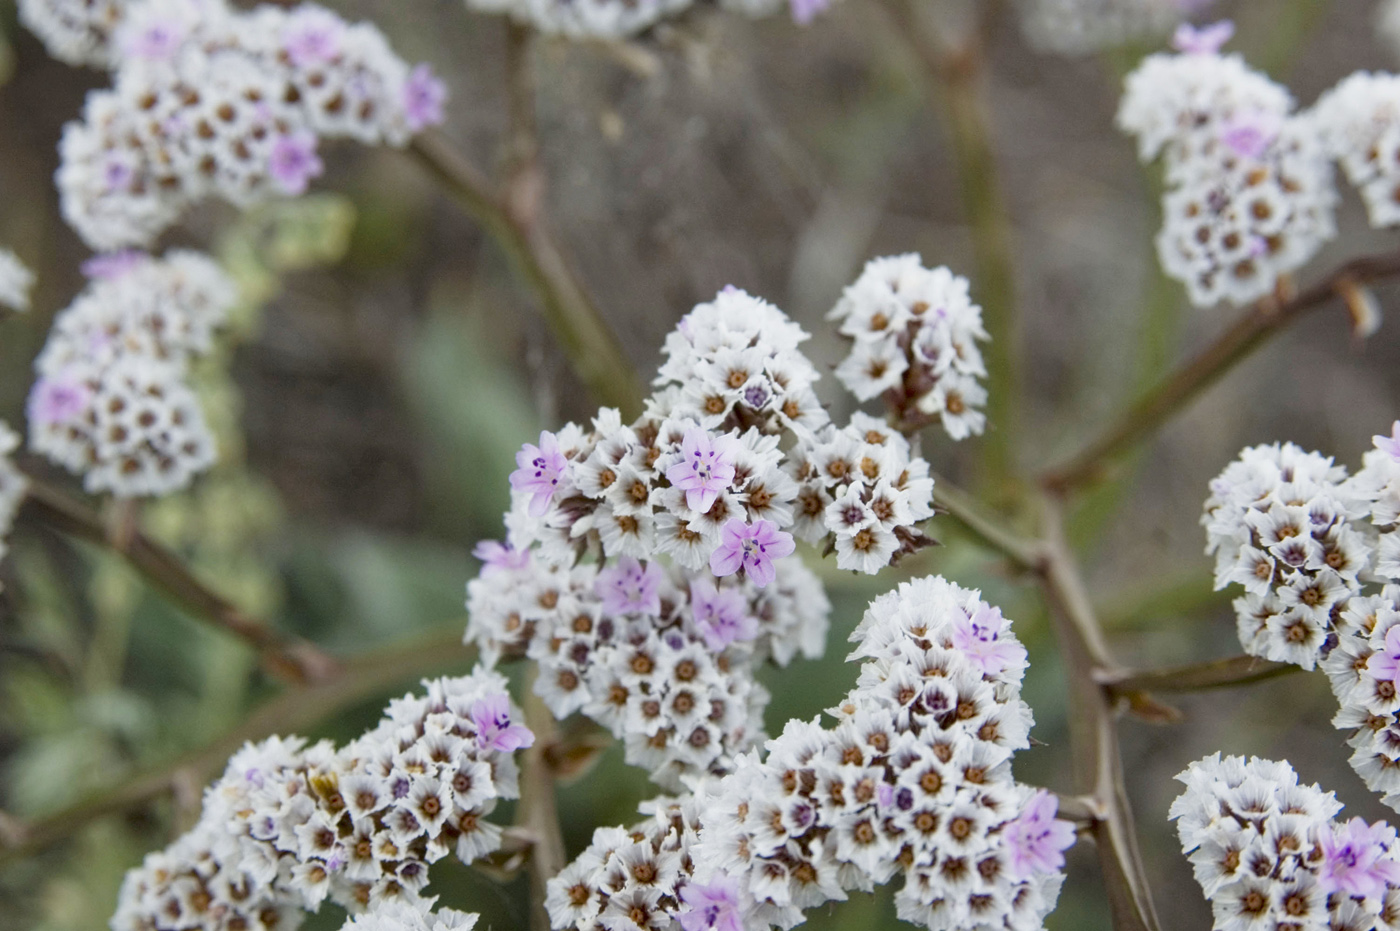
(423, 96)
(1249, 135)
(751, 547)
(293, 162)
(721, 614)
(1385, 665)
(539, 471)
(630, 588)
(979, 636)
(157, 41)
(1036, 840)
(1390, 445)
(500, 557)
(713, 907)
(110, 265)
(1354, 858)
(312, 37)
(58, 399)
(1206, 40)
(706, 468)
(494, 730)
(804, 11)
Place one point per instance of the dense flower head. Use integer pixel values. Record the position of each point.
(1249, 192)
(1267, 851)
(15, 281)
(1286, 526)
(290, 825)
(914, 334)
(111, 401)
(78, 32)
(1080, 27)
(1360, 123)
(416, 916)
(913, 778)
(611, 19)
(210, 101)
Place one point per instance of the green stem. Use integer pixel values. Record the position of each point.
(1195, 677)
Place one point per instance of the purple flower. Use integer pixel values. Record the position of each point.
(112, 265)
(1036, 840)
(1386, 664)
(500, 557)
(706, 468)
(1390, 445)
(58, 399)
(1354, 858)
(1204, 41)
(156, 41)
(116, 172)
(630, 588)
(804, 11)
(312, 37)
(721, 615)
(293, 161)
(539, 471)
(423, 97)
(491, 715)
(979, 637)
(713, 907)
(751, 547)
(1249, 135)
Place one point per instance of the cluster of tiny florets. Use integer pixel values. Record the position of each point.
(78, 32)
(111, 400)
(1360, 123)
(1283, 524)
(583, 19)
(15, 281)
(289, 826)
(1080, 27)
(210, 101)
(914, 779)
(1249, 185)
(914, 335)
(1269, 854)
(411, 916)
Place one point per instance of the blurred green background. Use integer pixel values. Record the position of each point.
(385, 367)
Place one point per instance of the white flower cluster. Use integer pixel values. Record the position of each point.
(1249, 185)
(1361, 669)
(78, 32)
(913, 779)
(209, 101)
(1268, 854)
(915, 333)
(13, 485)
(582, 19)
(1282, 524)
(111, 401)
(1080, 27)
(15, 282)
(289, 825)
(1360, 123)
(418, 916)
(656, 671)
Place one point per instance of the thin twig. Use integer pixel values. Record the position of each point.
(961, 507)
(588, 343)
(539, 811)
(296, 709)
(285, 656)
(1178, 389)
(1195, 677)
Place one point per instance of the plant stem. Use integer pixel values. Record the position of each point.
(1194, 677)
(298, 708)
(961, 507)
(1178, 389)
(539, 811)
(285, 656)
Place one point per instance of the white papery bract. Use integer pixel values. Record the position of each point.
(1360, 123)
(289, 826)
(208, 101)
(111, 401)
(1284, 524)
(1250, 194)
(1080, 27)
(914, 779)
(582, 19)
(914, 335)
(419, 916)
(78, 32)
(15, 281)
(1267, 852)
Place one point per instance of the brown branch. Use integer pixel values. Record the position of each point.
(1179, 388)
(284, 655)
(296, 709)
(961, 507)
(538, 814)
(1195, 677)
(590, 346)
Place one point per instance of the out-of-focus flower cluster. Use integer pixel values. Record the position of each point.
(15, 282)
(289, 826)
(111, 400)
(418, 916)
(211, 101)
(13, 485)
(1268, 852)
(1360, 123)
(915, 333)
(914, 779)
(582, 19)
(1079, 27)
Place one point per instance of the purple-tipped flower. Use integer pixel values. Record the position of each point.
(1390, 445)
(1354, 858)
(714, 906)
(58, 399)
(979, 637)
(540, 469)
(112, 265)
(312, 37)
(423, 97)
(706, 468)
(630, 588)
(804, 11)
(1249, 135)
(157, 40)
(721, 615)
(500, 557)
(1036, 840)
(751, 547)
(1385, 665)
(491, 715)
(293, 162)
(1207, 40)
